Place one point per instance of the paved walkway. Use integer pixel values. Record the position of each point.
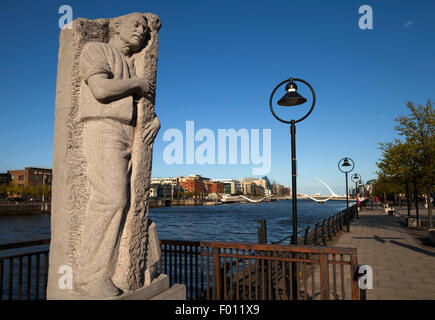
(403, 263)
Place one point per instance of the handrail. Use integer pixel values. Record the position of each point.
(337, 223)
(214, 270)
(280, 248)
(24, 244)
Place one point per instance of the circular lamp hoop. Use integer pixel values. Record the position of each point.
(344, 171)
(279, 85)
(358, 177)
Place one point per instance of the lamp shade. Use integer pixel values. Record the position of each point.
(346, 163)
(291, 98)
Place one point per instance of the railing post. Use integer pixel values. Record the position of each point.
(324, 277)
(216, 275)
(262, 232)
(328, 222)
(306, 235)
(354, 282)
(323, 233)
(340, 218)
(316, 229)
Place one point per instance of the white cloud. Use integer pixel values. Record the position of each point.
(408, 24)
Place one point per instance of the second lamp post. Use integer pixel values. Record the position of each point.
(345, 167)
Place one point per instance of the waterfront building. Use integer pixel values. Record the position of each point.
(165, 188)
(369, 186)
(286, 190)
(248, 187)
(154, 191)
(278, 189)
(5, 178)
(230, 186)
(227, 188)
(194, 183)
(214, 187)
(31, 176)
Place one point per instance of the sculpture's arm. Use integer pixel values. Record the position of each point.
(106, 90)
(151, 131)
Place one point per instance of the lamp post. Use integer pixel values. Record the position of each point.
(346, 167)
(290, 99)
(357, 179)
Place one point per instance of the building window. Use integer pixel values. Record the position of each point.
(35, 178)
(20, 177)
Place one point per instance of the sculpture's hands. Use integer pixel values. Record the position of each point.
(152, 129)
(107, 90)
(144, 88)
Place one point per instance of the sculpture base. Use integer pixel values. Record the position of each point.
(157, 290)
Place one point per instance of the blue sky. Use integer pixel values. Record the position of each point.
(219, 62)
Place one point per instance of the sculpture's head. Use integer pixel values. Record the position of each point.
(130, 29)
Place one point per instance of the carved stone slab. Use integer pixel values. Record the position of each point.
(139, 248)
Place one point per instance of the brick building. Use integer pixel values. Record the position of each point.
(31, 176)
(215, 187)
(5, 178)
(194, 183)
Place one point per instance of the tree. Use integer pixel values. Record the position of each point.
(13, 189)
(3, 190)
(412, 158)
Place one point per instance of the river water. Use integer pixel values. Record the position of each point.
(227, 222)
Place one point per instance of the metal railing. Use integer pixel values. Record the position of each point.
(180, 260)
(247, 271)
(24, 275)
(215, 270)
(323, 231)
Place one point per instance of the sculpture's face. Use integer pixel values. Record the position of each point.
(132, 31)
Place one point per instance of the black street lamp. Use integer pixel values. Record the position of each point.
(357, 179)
(290, 99)
(345, 167)
(293, 98)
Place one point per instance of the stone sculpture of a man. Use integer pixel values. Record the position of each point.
(108, 108)
(103, 244)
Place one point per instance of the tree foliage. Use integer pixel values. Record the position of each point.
(412, 156)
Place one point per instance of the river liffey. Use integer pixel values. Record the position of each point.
(227, 222)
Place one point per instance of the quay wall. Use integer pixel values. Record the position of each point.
(25, 208)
